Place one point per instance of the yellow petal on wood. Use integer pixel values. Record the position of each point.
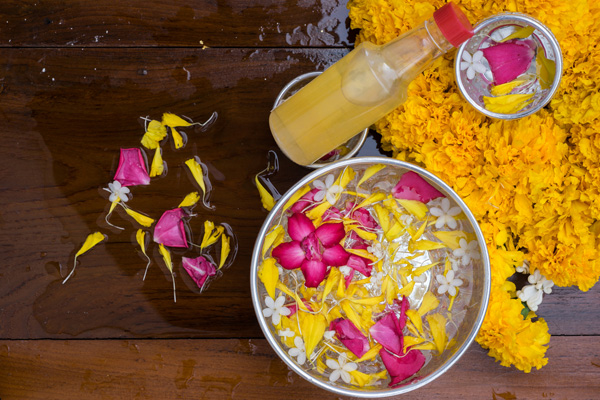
(371, 353)
(155, 132)
(273, 238)
(199, 176)
(190, 200)
(506, 88)
(158, 166)
(424, 245)
(295, 197)
(167, 259)
(211, 235)
(172, 120)
(140, 237)
(225, 250)
(414, 207)
(416, 319)
(267, 200)
(507, 104)
(437, 325)
(149, 143)
(450, 238)
(268, 273)
(113, 205)
(177, 138)
(374, 198)
(369, 172)
(92, 240)
(430, 302)
(522, 33)
(313, 328)
(140, 218)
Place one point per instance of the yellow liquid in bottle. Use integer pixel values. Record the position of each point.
(335, 106)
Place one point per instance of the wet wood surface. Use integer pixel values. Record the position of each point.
(75, 76)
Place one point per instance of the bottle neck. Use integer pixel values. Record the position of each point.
(436, 36)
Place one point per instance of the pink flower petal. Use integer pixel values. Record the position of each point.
(360, 264)
(314, 272)
(132, 168)
(412, 187)
(364, 218)
(290, 254)
(299, 226)
(305, 203)
(199, 269)
(386, 332)
(335, 256)
(403, 367)
(170, 229)
(331, 233)
(509, 59)
(350, 336)
(332, 213)
(293, 306)
(356, 242)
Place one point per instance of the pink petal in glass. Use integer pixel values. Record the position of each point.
(199, 269)
(331, 214)
(350, 336)
(412, 187)
(361, 215)
(305, 203)
(356, 242)
(360, 264)
(403, 367)
(331, 233)
(314, 272)
(335, 256)
(290, 254)
(510, 59)
(387, 333)
(170, 229)
(132, 169)
(299, 226)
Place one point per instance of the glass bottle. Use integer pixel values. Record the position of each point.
(362, 87)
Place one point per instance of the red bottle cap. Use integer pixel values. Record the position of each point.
(453, 23)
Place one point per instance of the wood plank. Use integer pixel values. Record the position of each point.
(63, 124)
(249, 369)
(143, 23)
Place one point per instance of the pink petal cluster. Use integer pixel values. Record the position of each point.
(362, 215)
(510, 59)
(132, 168)
(170, 229)
(199, 269)
(403, 367)
(412, 187)
(312, 250)
(350, 336)
(357, 263)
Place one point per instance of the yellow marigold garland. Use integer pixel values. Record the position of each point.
(531, 183)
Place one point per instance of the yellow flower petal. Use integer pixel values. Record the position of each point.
(295, 197)
(522, 33)
(383, 216)
(369, 172)
(374, 198)
(416, 319)
(189, 200)
(430, 302)
(313, 328)
(167, 259)
(91, 241)
(437, 325)
(424, 245)
(371, 353)
(414, 207)
(332, 280)
(211, 235)
(450, 238)
(418, 271)
(113, 205)
(268, 273)
(546, 69)
(507, 87)
(177, 138)
(225, 249)
(365, 234)
(369, 301)
(317, 212)
(140, 237)
(173, 121)
(410, 341)
(273, 238)
(507, 104)
(407, 289)
(267, 200)
(200, 177)
(140, 218)
(158, 165)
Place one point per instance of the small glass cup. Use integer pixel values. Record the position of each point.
(501, 26)
(342, 152)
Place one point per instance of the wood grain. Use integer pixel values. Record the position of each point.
(249, 369)
(195, 23)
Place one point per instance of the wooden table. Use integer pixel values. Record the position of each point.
(75, 77)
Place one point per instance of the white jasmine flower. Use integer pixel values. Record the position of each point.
(406, 219)
(448, 283)
(533, 294)
(467, 251)
(275, 309)
(341, 368)
(327, 190)
(445, 214)
(472, 63)
(345, 270)
(377, 250)
(299, 351)
(377, 278)
(328, 335)
(287, 332)
(117, 191)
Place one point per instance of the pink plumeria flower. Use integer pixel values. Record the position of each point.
(448, 283)
(312, 250)
(472, 63)
(445, 214)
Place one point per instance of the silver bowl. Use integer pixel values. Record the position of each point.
(351, 147)
(472, 311)
(473, 90)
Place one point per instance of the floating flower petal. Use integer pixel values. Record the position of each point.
(412, 187)
(211, 235)
(170, 229)
(199, 269)
(388, 333)
(369, 172)
(404, 367)
(167, 259)
(510, 59)
(132, 168)
(140, 218)
(190, 200)
(437, 325)
(508, 104)
(225, 249)
(313, 328)
(201, 178)
(91, 241)
(350, 336)
(158, 165)
(155, 132)
(267, 200)
(140, 237)
(268, 273)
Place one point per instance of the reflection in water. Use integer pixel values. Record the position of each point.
(185, 373)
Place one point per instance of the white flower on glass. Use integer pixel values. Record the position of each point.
(299, 351)
(376, 249)
(287, 333)
(472, 63)
(445, 214)
(341, 368)
(275, 309)
(328, 335)
(377, 278)
(327, 190)
(467, 251)
(448, 283)
(523, 268)
(117, 191)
